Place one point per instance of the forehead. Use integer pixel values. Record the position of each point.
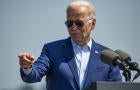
(77, 12)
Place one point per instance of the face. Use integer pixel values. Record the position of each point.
(81, 26)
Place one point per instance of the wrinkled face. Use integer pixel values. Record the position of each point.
(78, 32)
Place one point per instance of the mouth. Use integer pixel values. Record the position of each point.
(74, 34)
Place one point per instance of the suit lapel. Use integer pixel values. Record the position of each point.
(68, 54)
(91, 63)
(73, 68)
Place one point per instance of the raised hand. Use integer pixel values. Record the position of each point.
(26, 60)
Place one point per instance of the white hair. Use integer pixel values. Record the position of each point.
(91, 8)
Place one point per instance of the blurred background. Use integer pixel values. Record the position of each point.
(26, 25)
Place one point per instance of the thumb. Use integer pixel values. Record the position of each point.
(30, 57)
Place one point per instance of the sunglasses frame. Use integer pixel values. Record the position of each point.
(78, 23)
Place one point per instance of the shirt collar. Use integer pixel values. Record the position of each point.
(89, 44)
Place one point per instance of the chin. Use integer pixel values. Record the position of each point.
(77, 39)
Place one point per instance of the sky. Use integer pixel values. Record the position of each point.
(26, 25)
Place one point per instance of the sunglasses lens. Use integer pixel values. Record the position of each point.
(79, 23)
(69, 23)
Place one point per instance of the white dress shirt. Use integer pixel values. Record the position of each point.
(82, 55)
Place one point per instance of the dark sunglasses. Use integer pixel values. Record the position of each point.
(78, 23)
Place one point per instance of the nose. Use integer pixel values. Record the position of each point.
(73, 27)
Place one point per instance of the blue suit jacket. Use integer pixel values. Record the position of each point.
(57, 63)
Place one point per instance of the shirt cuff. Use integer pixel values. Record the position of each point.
(27, 71)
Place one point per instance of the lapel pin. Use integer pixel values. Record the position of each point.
(96, 51)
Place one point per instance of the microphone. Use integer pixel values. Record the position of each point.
(132, 65)
(113, 59)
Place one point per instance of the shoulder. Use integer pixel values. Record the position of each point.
(57, 43)
(99, 46)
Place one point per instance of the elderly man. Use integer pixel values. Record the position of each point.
(72, 63)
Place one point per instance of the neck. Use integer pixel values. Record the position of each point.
(83, 42)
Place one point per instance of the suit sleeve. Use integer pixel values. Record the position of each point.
(40, 68)
(114, 74)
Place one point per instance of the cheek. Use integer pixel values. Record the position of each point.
(86, 31)
(70, 31)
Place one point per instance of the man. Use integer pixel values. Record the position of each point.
(72, 63)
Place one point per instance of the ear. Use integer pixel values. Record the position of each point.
(93, 23)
